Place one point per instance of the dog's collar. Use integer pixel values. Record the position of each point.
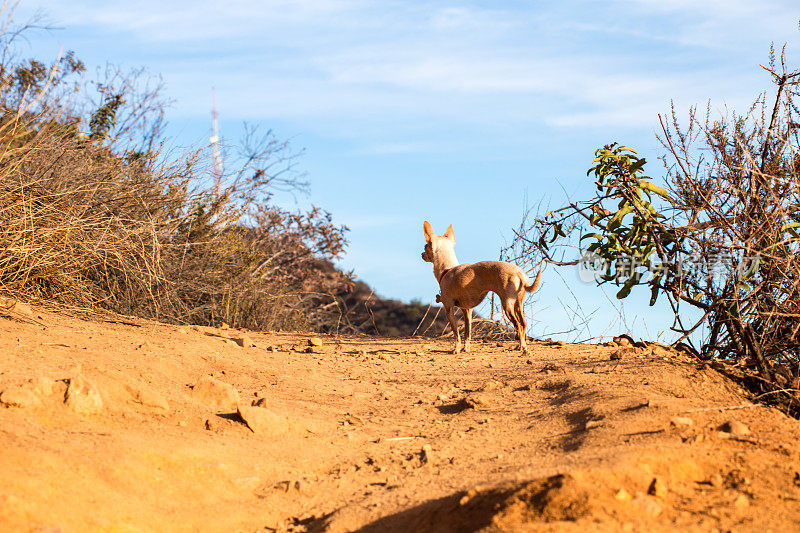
(445, 271)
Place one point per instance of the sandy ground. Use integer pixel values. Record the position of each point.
(108, 426)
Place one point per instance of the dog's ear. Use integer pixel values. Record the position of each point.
(449, 234)
(428, 231)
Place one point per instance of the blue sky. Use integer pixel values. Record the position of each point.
(454, 112)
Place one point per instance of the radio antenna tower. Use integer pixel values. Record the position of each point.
(215, 143)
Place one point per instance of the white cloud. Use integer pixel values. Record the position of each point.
(720, 23)
(386, 71)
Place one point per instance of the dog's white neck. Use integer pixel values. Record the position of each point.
(443, 259)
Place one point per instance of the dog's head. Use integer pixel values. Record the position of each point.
(434, 243)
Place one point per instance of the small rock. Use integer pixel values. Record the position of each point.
(183, 331)
(261, 402)
(551, 367)
(426, 455)
(741, 501)
(315, 341)
(83, 397)
(660, 351)
(310, 349)
(611, 344)
(44, 386)
(270, 348)
(500, 345)
(490, 385)
(20, 396)
(622, 341)
(681, 421)
(476, 401)
(657, 488)
(716, 481)
(16, 306)
(262, 421)
(147, 397)
(735, 427)
(648, 505)
(616, 356)
(244, 341)
(528, 362)
(561, 343)
(623, 495)
(216, 393)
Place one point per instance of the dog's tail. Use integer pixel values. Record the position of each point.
(535, 284)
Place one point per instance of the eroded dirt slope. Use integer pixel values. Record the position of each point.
(374, 434)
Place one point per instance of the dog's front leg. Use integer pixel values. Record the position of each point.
(454, 326)
(467, 328)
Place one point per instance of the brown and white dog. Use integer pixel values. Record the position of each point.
(465, 286)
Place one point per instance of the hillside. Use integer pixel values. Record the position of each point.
(366, 312)
(131, 425)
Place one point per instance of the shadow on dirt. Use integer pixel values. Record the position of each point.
(510, 507)
(566, 392)
(454, 408)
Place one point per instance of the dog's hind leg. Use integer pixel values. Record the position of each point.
(454, 326)
(467, 328)
(510, 306)
(519, 311)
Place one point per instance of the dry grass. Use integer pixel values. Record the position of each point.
(94, 214)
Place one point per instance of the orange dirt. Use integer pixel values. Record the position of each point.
(375, 434)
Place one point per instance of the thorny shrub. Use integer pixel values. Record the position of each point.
(722, 236)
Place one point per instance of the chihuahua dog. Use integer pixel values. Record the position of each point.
(465, 286)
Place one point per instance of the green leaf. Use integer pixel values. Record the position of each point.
(791, 229)
(655, 290)
(620, 214)
(626, 289)
(658, 190)
(743, 287)
(636, 167)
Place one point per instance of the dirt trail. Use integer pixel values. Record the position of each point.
(373, 433)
